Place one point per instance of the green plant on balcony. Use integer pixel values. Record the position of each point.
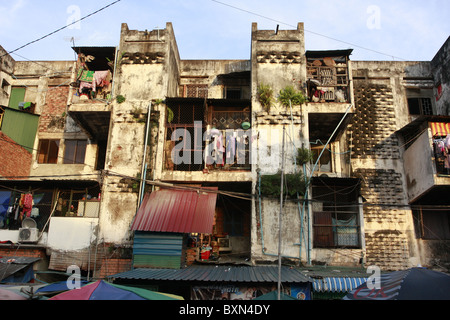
(304, 156)
(294, 184)
(265, 96)
(170, 115)
(289, 96)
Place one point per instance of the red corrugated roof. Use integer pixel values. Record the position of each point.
(178, 211)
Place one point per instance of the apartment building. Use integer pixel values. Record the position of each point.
(135, 159)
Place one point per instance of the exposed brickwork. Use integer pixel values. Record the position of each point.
(113, 266)
(12, 251)
(373, 126)
(60, 261)
(52, 119)
(191, 256)
(17, 160)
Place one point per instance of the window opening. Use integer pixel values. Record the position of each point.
(48, 152)
(335, 217)
(75, 151)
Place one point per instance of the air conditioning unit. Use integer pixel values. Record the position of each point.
(28, 235)
(224, 244)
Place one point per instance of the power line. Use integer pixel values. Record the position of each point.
(60, 29)
(312, 32)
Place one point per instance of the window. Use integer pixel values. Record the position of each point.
(78, 203)
(75, 151)
(420, 106)
(325, 164)
(432, 225)
(48, 152)
(336, 219)
(233, 93)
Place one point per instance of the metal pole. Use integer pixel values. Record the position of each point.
(143, 172)
(280, 216)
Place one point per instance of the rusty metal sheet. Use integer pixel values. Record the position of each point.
(178, 211)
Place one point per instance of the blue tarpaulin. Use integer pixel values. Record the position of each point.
(4, 204)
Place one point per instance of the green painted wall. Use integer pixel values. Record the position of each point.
(21, 127)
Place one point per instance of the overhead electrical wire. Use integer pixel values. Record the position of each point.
(62, 28)
(312, 32)
(239, 195)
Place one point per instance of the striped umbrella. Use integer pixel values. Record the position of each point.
(6, 295)
(411, 284)
(102, 290)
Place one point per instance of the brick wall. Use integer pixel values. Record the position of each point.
(52, 119)
(12, 251)
(17, 163)
(113, 266)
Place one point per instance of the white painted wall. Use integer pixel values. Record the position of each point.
(419, 166)
(71, 234)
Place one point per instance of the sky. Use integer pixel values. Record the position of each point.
(412, 30)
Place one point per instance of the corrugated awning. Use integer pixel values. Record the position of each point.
(440, 128)
(178, 211)
(243, 274)
(335, 284)
(10, 267)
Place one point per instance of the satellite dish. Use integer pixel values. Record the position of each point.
(29, 223)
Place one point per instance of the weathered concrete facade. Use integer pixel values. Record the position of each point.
(441, 73)
(363, 122)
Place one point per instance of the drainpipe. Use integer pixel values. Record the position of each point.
(144, 164)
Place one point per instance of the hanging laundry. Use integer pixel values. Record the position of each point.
(447, 142)
(102, 78)
(217, 147)
(231, 148)
(87, 76)
(27, 204)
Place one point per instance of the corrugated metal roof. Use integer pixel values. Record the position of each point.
(244, 274)
(178, 211)
(12, 265)
(343, 285)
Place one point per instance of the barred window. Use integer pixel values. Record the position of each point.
(420, 106)
(336, 218)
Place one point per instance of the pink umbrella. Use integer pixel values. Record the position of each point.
(9, 295)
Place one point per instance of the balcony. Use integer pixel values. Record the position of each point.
(92, 90)
(207, 141)
(428, 178)
(328, 76)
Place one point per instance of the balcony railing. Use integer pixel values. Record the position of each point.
(223, 150)
(328, 81)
